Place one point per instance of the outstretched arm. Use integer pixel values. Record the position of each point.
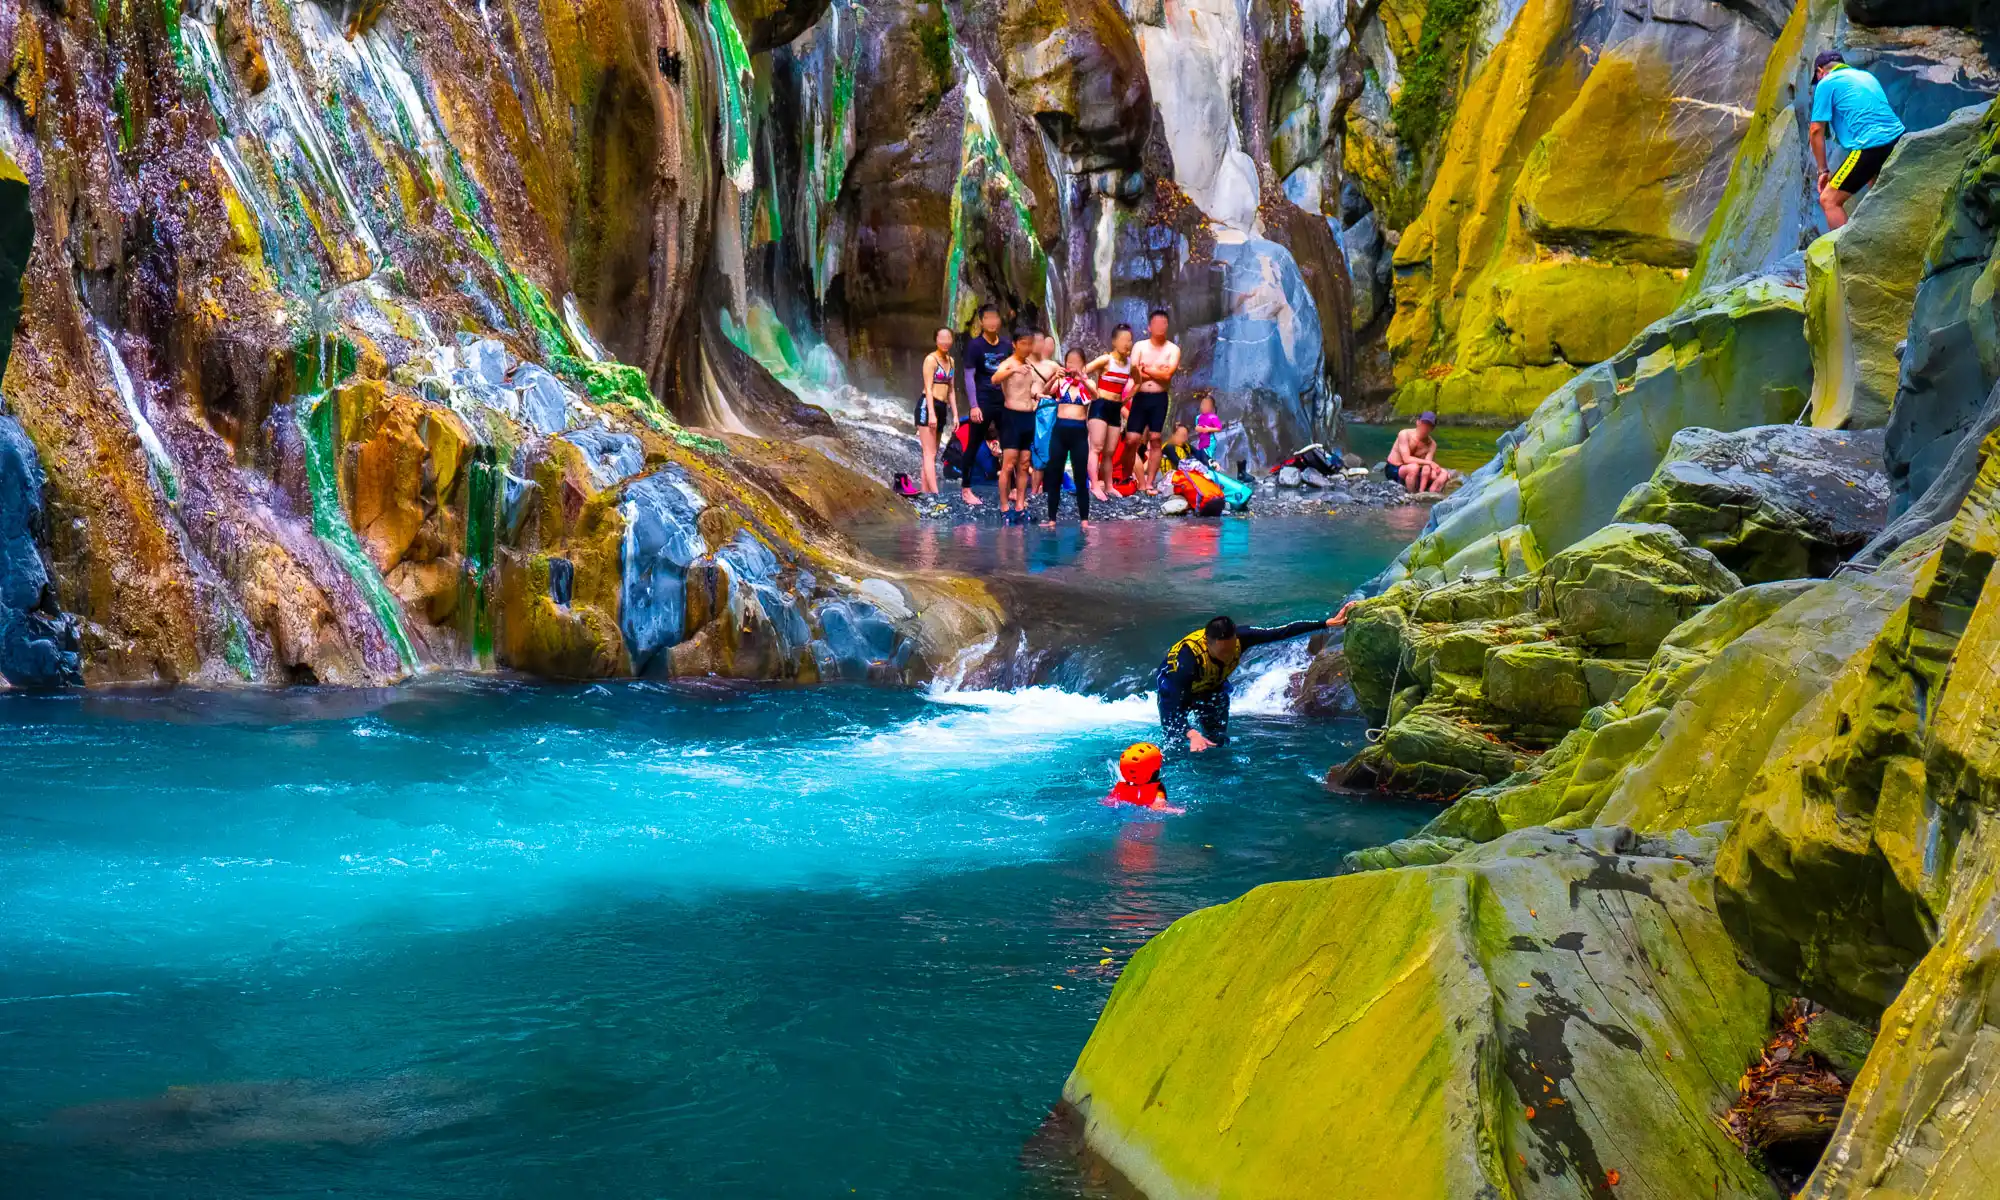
(1251, 635)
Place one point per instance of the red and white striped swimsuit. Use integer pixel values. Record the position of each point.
(1111, 384)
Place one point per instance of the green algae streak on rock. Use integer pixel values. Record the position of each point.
(1526, 1020)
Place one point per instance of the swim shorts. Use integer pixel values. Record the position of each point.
(1392, 472)
(1017, 430)
(1860, 167)
(1107, 411)
(1149, 413)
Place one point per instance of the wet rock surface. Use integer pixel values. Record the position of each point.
(1576, 996)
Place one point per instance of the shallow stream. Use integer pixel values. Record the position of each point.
(480, 938)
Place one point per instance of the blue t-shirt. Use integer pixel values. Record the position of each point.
(1852, 102)
(982, 358)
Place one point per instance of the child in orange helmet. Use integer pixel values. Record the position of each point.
(1139, 779)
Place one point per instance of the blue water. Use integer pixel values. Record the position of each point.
(479, 938)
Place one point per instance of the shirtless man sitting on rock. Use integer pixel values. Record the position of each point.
(1413, 459)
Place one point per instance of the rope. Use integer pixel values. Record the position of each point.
(1375, 735)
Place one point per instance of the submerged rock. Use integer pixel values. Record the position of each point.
(1572, 999)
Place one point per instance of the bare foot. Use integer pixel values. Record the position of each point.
(1101, 494)
(1048, 524)
(1083, 524)
(971, 499)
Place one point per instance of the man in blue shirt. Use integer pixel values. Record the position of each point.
(1863, 123)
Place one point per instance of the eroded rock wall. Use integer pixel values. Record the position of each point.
(348, 332)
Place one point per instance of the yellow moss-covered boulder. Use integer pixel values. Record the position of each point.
(1569, 200)
(1525, 1020)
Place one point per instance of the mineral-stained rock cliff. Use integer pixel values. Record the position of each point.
(321, 368)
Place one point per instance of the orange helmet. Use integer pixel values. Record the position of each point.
(1140, 763)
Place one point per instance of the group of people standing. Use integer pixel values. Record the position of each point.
(1110, 411)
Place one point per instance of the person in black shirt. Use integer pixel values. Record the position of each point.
(1194, 677)
(983, 355)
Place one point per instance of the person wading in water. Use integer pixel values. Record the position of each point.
(940, 394)
(1194, 678)
(1113, 391)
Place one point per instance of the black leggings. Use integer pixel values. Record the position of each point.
(1208, 713)
(1071, 444)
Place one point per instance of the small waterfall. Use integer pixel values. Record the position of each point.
(737, 80)
(156, 450)
(831, 118)
(298, 122)
(317, 416)
(579, 331)
(1104, 250)
(982, 149)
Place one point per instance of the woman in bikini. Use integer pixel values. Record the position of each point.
(1114, 384)
(939, 394)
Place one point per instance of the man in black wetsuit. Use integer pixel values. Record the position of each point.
(984, 353)
(1194, 678)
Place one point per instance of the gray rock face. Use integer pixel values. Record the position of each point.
(1772, 501)
(611, 455)
(751, 564)
(1952, 359)
(661, 541)
(857, 643)
(38, 643)
(544, 402)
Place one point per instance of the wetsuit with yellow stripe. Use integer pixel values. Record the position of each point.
(1194, 681)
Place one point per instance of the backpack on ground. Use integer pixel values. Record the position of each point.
(1203, 495)
(954, 450)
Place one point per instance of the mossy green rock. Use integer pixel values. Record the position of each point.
(1733, 358)
(1716, 736)
(1464, 674)
(1865, 869)
(1390, 1033)
(1430, 751)
(1541, 682)
(1570, 783)
(1861, 279)
(1624, 588)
